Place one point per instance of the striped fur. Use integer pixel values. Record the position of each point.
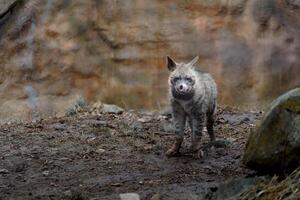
(193, 97)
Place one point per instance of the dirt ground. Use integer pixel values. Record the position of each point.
(102, 156)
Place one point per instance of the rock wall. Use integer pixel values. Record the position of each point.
(115, 51)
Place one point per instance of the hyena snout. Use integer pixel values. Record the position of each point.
(183, 88)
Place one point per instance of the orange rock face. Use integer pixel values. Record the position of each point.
(114, 51)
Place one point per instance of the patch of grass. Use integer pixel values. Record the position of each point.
(77, 196)
(79, 104)
(276, 189)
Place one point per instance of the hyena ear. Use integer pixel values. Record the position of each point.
(171, 63)
(192, 62)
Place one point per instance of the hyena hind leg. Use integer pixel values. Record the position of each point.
(210, 126)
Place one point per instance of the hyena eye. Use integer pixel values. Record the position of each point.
(174, 80)
(190, 80)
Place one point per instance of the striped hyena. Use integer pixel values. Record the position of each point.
(193, 95)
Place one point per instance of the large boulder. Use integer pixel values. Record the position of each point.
(275, 144)
(5, 5)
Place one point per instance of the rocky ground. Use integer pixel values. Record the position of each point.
(100, 156)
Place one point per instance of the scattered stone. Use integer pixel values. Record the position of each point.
(116, 184)
(83, 126)
(94, 123)
(235, 119)
(97, 123)
(222, 143)
(68, 193)
(275, 144)
(145, 119)
(207, 167)
(168, 127)
(100, 151)
(155, 197)
(53, 149)
(148, 147)
(111, 109)
(53, 184)
(21, 166)
(59, 127)
(64, 159)
(167, 113)
(231, 140)
(4, 171)
(91, 139)
(137, 126)
(45, 173)
(129, 196)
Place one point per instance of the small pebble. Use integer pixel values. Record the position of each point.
(100, 151)
(45, 173)
(129, 196)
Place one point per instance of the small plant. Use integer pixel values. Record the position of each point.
(79, 105)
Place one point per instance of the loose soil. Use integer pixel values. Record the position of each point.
(100, 156)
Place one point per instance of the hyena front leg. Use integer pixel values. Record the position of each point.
(210, 126)
(179, 118)
(190, 121)
(198, 124)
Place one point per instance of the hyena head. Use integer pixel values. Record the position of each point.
(182, 79)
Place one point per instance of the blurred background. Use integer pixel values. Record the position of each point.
(54, 51)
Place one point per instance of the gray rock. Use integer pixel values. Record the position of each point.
(145, 119)
(46, 173)
(167, 112)
(94, 123)
(137, 126)
(155, 197)
(58, 127)
(168, 127)
(100, 151)
(222, 143)
(129, 196)
(4, 5)
(111, 109)
(4, 171)
(236, 119)
(294, 4)
(229, 189)
(275, 144)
